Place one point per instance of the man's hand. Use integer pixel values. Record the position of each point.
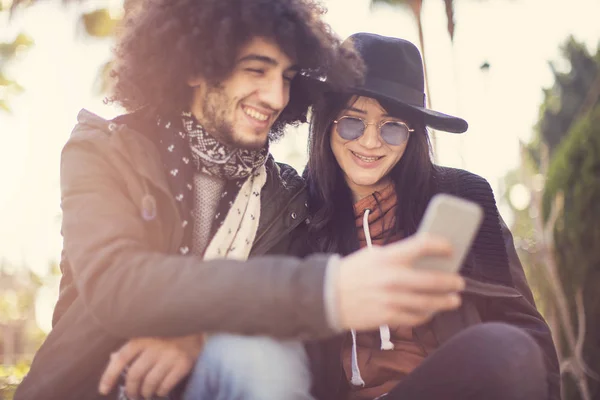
(378, 286)
(154, 365)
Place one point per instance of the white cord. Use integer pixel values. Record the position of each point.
(356, 379)
(384, 330)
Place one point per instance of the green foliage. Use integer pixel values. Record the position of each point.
(10, 377)
(8, 53)
(9, 50)
(575, 171)
(569, 127)
(100, 23)
(564, 101)
(19, 334)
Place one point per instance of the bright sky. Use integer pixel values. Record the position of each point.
(517, 38)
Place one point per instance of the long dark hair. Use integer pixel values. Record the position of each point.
(331, 205)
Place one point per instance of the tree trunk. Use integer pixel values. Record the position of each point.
(416, 9)
(449, 5)
(416, 6)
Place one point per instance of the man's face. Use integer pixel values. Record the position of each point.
(240, 110)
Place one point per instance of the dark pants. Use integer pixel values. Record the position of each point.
(490, 361)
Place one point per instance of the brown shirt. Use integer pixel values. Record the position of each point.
(382, 369)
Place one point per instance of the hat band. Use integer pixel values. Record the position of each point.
(395, 90)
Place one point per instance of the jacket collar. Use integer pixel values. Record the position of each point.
(127, 139)
(283, 206)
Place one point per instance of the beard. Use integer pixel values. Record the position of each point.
(215, 109)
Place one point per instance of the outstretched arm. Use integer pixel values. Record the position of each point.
(134, 291)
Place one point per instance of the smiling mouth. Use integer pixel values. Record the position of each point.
(253, 113)
(365, 158)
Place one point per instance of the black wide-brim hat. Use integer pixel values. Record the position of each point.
(394, 72)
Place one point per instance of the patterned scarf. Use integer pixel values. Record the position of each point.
(214, 158)
(183, 141)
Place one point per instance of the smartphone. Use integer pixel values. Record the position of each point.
(454, 219)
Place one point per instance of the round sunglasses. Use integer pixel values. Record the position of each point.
(392, 132)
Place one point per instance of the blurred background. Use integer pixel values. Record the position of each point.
(525, 74)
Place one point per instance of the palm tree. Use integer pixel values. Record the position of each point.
(449, 5)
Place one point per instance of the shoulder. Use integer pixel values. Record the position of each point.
(88, 147)
(489, 246)
(284, 175)
(465, 184)
(94, 128)
(448, 176)
(91, 128)
(99, 146)
(100, 134)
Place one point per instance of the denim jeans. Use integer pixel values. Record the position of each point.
(235, 367)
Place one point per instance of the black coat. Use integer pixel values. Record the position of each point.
(496, 290)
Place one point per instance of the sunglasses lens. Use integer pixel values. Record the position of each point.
(394, 133)
(350, 128)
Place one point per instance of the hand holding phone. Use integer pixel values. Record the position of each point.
(456, 220)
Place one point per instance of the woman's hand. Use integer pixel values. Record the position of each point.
(154, 365)
(379, 286)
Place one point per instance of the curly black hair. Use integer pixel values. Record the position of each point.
(164, 42)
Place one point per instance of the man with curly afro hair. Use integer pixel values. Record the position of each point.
(176, 218)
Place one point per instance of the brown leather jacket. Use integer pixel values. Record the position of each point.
(122, 277)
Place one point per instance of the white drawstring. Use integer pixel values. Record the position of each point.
(384, 334)
(366, 228)
(384, 330)
(356, 379)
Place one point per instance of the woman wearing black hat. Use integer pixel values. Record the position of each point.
(370, 178)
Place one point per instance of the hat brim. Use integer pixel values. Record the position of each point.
(434, 119)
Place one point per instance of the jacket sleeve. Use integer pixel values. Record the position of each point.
(132, 291)
(522, 312)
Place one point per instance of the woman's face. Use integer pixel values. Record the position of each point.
(367, 160)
